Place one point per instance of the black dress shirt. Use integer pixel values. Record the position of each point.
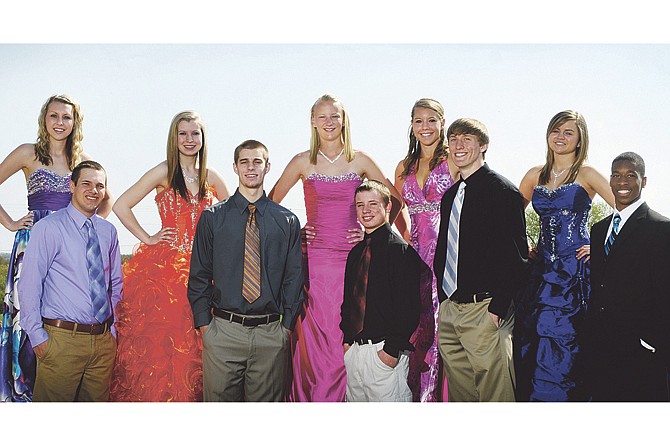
(392, 296)
(492, 250)
(217, 262)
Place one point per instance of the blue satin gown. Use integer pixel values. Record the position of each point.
(550, 312)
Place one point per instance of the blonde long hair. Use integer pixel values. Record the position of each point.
(175, 173)
(73, 148)
(314, 141)
(582, 145)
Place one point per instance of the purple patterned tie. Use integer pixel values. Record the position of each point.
(96, 274)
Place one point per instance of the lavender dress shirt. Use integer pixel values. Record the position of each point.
(54, 278)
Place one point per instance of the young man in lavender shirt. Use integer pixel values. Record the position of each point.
(70, 284)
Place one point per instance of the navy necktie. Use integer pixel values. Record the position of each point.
(615, 231)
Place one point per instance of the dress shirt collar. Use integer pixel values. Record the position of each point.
(378, 234)
(627, 212)
(241, 202)
(79, 218)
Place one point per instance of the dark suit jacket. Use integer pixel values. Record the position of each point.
(493, 252)
(630, 293)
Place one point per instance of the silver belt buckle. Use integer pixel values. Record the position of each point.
(474, 297)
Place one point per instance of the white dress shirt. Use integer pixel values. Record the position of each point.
(625, 215)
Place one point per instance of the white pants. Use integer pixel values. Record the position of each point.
(371, 380)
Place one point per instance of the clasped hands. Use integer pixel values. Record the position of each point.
(355, 235)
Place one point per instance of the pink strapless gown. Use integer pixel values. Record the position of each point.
(318, 360)
(425, 367)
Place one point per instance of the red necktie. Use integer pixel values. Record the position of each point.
(360, 288)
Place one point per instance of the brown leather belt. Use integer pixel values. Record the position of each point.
(245, 320)
(91, 329)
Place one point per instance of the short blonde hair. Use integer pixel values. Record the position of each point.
(251, 144)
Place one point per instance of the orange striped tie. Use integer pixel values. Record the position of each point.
(251, 284)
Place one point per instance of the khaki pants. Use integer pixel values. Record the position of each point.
(477, 355)
(75, 367)
(244, 363)
(371, 380)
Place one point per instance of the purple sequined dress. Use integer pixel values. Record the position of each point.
(425, 369)
(47, 192)
(318, 357)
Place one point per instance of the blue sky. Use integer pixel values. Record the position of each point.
(129, 93)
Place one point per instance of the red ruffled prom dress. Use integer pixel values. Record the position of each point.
(159, 356)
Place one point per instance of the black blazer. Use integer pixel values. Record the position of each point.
(630, 288)
(493, 251)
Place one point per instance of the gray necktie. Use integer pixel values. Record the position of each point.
(451, 267)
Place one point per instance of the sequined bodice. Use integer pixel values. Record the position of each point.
(47, 190)
(427, 199)
(329, 201)
(564, 214)
(182, 214)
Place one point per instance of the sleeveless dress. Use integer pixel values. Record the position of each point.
(159, 355)
(318, 358)
(551, 312)
(47, 192)
(425, 377)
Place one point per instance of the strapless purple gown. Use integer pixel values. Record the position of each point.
(425, 365)
(47, 192)
(318, 359)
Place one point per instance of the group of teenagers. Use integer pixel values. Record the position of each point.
(235, 301)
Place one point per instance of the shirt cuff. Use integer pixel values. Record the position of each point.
(391, 349)
(202, 318)
(38, 337)
(289, 318)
